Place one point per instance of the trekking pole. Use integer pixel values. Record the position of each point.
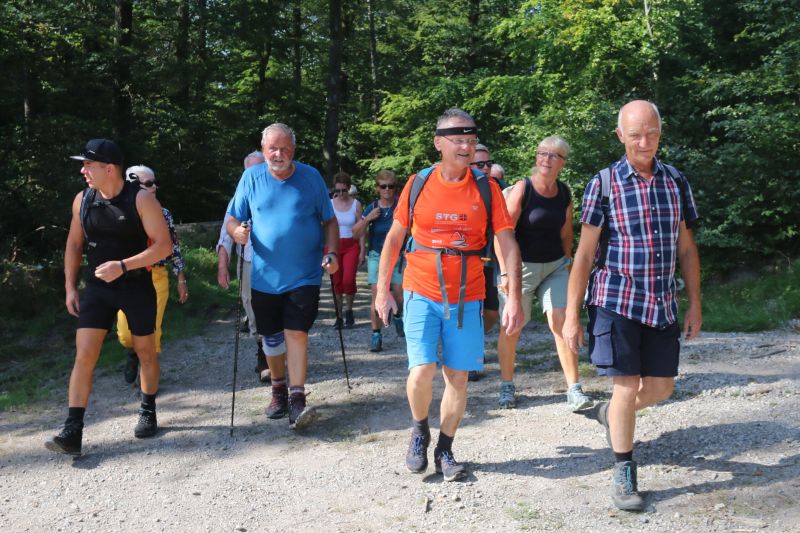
(236, 341)
(338, 322)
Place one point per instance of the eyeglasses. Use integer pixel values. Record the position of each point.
(461, 142)
(550, 155)
(480, 164)
(386, 186)
(341, 191)
(148, 184)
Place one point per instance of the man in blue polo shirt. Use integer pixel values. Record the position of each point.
(634, 336)
(287, 206)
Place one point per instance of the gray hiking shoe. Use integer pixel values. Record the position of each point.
(417, 454)
(507, 396)
(447, 465)
(599, 412)
(577, 399)
(300, 415)
(68, 441)
(625, 488)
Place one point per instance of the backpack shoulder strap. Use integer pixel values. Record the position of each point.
(420, 178)
(86, 200)
(681, 181)
(605, 232)
(485, 190)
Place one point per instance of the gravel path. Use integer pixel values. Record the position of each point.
(722, 455)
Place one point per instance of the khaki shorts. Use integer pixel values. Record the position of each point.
(547, 281)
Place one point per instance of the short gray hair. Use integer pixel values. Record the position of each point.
(655, 110)
(499, 168)
(482, 148)
(451, 113)
(557, 142)
(255, 154)
(134, 173)
(278, 126)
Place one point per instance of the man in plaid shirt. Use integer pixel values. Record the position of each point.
(633, 332)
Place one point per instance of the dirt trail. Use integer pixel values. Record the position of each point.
(722, 455)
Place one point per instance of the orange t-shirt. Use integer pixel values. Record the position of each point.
(449, 215)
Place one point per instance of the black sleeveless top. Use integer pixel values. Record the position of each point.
(113, 229)
(539, 226)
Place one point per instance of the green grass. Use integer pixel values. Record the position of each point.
(763, 304)
(37, 344)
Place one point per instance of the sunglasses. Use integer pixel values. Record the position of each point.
(147, 184)
(386, 186)
(480, 164)
(341, 191)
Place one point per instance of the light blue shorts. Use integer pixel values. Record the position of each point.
(425, 326)
(374, 259)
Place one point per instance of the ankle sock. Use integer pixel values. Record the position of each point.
(622, 457)
(278, 383)
(149, 401)
(300, 389)
(445, 444)
(75, 414)
(421, 426)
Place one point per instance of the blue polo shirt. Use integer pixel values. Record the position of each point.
(287, 231)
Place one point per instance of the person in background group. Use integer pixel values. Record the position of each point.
(291, 219)
(123, 231)
(448, 228)
(276, 346)
(348, 211)
(498, 173)
(482, 161)
(541, 208)
(631, 300)
(376, 221)
(146, 179)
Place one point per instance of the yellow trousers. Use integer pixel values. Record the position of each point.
(161, 283)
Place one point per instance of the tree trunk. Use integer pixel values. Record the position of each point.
(334, 89)
(202, 53)
(182, 56)
(121, 97)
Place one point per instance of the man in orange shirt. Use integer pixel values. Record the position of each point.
(448, 236)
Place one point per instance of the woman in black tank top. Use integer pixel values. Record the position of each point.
(541, 207)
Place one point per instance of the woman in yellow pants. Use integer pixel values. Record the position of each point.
(147, 181)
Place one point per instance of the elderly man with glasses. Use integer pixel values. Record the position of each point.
(448, 219)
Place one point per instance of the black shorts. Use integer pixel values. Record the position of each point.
(99, 303)
(619, 346)
(295, 310)
(491, 302)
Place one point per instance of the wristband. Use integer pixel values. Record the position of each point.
(182, 281)
(503, 274)
(123, 267)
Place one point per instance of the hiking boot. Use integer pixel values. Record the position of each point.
(474, 375)
(147, 425)
(599, 412)
(417, 454)
(68, 441)
(262, 369)
(625, 491)
(398, 326)
(131, 367)
(279, 406)
(576, 399)
(338, 324)
(300, 415)
(349, 319)
(447, 466)
(376, 344)
(507, 396)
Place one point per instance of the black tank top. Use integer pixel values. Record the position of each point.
(113, 229)
(539, 226)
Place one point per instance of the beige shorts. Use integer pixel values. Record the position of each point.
(547, 281)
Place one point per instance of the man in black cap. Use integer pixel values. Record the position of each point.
(124, 232)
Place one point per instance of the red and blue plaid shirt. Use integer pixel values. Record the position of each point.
(638, 279)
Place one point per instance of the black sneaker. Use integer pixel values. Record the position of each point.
(447, 466)
(417, 454)
(300, 415)
(599, 412)
(349, 319)
(68, 441)
(262, 368)
(625, 490)
(147, 425)
(131, 367)
(279, 406)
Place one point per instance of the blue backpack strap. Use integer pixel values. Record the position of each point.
(605, 233)
(486, 195)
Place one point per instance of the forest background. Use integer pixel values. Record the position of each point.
(186, 86)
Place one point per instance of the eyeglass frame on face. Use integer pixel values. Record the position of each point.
(550, 155)
(384, 186)
(480, 164)
(462, 142)
(340, 191)
(133, 176)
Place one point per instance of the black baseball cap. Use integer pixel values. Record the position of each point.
(102, 151)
